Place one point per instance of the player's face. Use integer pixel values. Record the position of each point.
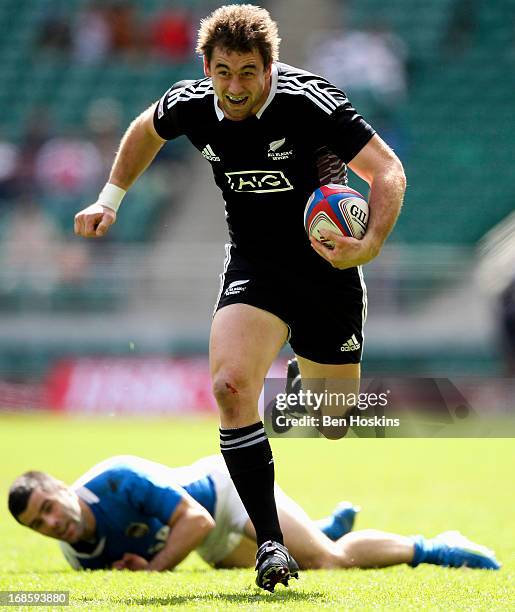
(55, 513)
(240, 80)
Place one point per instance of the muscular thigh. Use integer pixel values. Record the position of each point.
(248, 327)
(244, 342)
(338, 383)
(336, 388)
(245, 339)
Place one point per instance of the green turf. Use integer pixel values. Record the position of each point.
(406, 486)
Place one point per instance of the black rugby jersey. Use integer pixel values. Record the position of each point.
(268, 165)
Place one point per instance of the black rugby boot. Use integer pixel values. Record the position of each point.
(274, 565)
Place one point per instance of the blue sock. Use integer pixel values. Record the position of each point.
(330, 528)
(340, 522)
(424, 551)
(451, 549)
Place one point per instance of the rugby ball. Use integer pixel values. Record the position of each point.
(337, 208)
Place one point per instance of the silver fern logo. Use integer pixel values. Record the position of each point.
(276, 144)
(273, 148)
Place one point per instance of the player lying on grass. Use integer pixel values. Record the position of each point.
(131, 513)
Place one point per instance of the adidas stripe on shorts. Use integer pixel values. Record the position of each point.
(325, 315)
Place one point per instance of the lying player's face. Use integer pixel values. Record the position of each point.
(240, 81)
(55, 513)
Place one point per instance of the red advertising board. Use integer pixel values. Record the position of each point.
(147, 385)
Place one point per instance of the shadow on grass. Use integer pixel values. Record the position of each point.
(248, 598)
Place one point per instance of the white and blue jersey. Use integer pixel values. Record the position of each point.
(132, 500)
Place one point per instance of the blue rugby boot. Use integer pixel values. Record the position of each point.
(452, 549)
(340, 522)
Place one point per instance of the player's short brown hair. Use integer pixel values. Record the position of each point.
(240, 28)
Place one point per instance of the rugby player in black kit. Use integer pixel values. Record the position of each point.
(272, 134)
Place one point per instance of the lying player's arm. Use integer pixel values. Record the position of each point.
(138, 147)
(378, 165)
(190, 523)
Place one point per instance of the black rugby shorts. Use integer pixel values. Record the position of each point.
(325, 315)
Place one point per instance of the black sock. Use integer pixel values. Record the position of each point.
(248, 456)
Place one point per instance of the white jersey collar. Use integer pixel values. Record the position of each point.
(69, 551)
(273, 88)
(86, 495)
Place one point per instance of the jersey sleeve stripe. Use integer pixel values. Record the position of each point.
(183, 94)
(325, 92)
(322, 100)
(185, 98)
(308, 94)
(329, 93)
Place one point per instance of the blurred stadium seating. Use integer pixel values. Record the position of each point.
(459, 113)
(51, 84)
(456, 122)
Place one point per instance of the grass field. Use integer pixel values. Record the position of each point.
(406, 486)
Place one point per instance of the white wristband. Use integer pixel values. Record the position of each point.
(111, 196)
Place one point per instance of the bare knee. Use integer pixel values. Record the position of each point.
(327, 558)
(232, 392)
(363, 534)
(228, 388)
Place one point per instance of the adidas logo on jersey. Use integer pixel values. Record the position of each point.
(277, 156)
(209, 154)
(351, 344)
(236, 287)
